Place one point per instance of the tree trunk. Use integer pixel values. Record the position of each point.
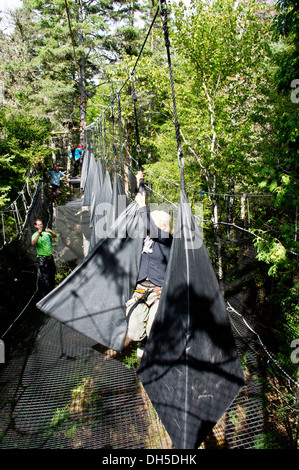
(230, 206)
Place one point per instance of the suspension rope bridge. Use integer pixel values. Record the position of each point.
(96, 401)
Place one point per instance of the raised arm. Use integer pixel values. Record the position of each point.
(51, 232)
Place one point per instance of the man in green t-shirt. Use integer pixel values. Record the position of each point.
(42, 240)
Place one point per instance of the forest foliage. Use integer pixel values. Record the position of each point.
(236, 81)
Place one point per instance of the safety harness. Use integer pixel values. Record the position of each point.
(143, 298)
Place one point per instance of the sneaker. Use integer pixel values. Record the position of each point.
(139, 352)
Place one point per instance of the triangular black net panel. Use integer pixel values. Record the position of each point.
(119, 199)
(98, 181)
(90, 171)
(100, 219)
(92, 298)
(84, 170)
(190, 368)
(69, 225)
(112, 202)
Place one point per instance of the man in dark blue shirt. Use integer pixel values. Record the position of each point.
(142, 307)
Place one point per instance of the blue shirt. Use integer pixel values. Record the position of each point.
(79, 153)
(55, 177)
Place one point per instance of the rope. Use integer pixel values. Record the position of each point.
(120, 138)
(26, 306)
(134, 97)
(231, 309)
(101, 136)
(3, 229)
(146, 38)
(163, 11)
(113, 134)
(138, 147)
(130, 74)
(14, 210)
(104, 139)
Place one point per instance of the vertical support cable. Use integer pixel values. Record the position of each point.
(100, 138)
(248, 214)
(113, 132)
(15, 219)
(28, 189)
(104, 139)
(163, 12)
(97, 147)
(24, 201)
(120, 139)
(138, 147)
(93, 141)
(19, 219)
(3, 228)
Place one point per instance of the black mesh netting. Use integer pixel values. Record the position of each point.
(64, 394)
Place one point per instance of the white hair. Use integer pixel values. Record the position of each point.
(162, 218)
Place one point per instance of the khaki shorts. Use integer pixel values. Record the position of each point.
(141, 318)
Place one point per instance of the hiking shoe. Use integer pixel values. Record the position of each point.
(139, 352)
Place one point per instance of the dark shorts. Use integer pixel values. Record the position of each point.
(47, 271)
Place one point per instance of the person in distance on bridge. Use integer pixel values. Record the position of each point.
(56, 176)
(78, 159)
